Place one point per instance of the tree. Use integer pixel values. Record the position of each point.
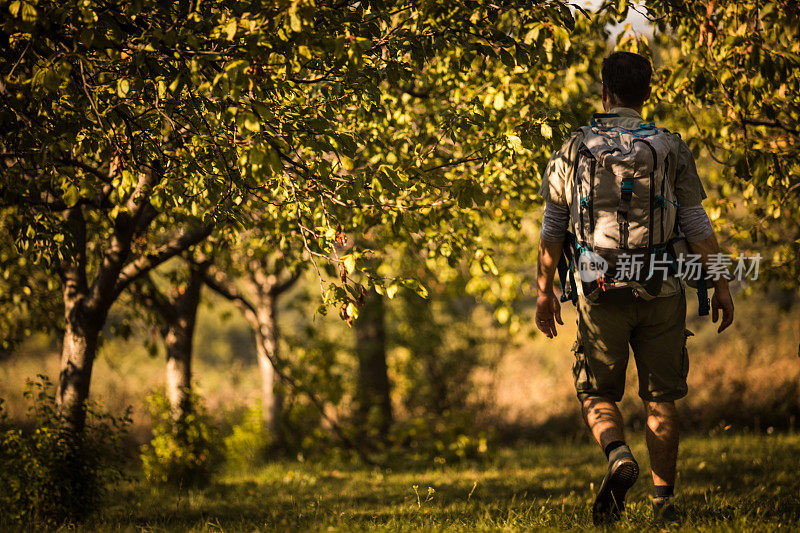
(131, 131)
(373, 409)
(95, 157)
(266, 278)
(734, 69)
(177, 314)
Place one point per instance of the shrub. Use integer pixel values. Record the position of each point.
(248, 442)
(448, 438)
(51, 476)
(184, 454)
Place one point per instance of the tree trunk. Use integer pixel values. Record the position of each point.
(267, 350)
(178, 344)
(77, 358)
(180, 318)
(373, 401)
(82, 327)
(261, 313)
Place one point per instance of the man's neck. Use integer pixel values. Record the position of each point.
(608, 106)
(624, 110)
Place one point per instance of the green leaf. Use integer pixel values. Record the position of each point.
(391, 290)
(516, 143)
(251, 122)
(349, 263)
(28, 12)
(499, 101)
(294, 21)
(230, 29)
(123, 87)
(71, 195)
(507, 58)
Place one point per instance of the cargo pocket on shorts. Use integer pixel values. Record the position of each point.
(580, 369)
(685, 354)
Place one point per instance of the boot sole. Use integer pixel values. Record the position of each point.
(610, 500)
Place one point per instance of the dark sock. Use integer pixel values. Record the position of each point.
(611, 446)
(663, 491)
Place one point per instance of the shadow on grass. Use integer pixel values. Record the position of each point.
(746, 481)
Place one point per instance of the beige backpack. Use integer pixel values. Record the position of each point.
(622, 208)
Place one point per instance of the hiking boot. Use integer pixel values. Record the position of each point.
(610, 500)
(665, 510)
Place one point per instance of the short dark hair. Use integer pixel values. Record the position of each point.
(627, 75)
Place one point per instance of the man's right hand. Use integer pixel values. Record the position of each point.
(722, 301)
(548, 312)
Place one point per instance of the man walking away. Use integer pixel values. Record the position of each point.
(626, 189)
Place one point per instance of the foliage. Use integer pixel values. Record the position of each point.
(103, 131)
(132, 131)
(315, 368)
(450, 437)
(28, 294)
(249, 440)
(486, 250)
(733, 68)
(439, 348)
(186, 453)
(176, 114)
(51, 476)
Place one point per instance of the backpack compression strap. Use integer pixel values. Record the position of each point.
(593, 122)
(566, 273)
(703, 304)
(626, 194)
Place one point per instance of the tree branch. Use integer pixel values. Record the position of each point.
(772, 124)
(73, 272)
(145, 263)
(219, 283)
(153, 298)
(283, 286)
(114, 257)
(11, 198)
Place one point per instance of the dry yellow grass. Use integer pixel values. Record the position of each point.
(747, 376)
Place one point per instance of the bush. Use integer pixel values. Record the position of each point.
(184, 454)
(446, 439)
(248, 442)
(51, 476)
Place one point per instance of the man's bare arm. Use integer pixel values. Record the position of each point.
(548, 308)
(722, 295)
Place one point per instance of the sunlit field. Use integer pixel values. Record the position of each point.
(727, 483)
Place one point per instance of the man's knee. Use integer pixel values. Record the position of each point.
(598, 406)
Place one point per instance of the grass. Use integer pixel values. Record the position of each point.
(727, 483)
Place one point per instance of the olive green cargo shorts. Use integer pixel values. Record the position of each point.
(655, 329)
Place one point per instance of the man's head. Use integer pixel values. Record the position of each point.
(626, 80)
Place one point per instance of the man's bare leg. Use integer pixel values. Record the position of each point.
(662, 444)
(662, 441)
(604, 420)
(606, 424)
